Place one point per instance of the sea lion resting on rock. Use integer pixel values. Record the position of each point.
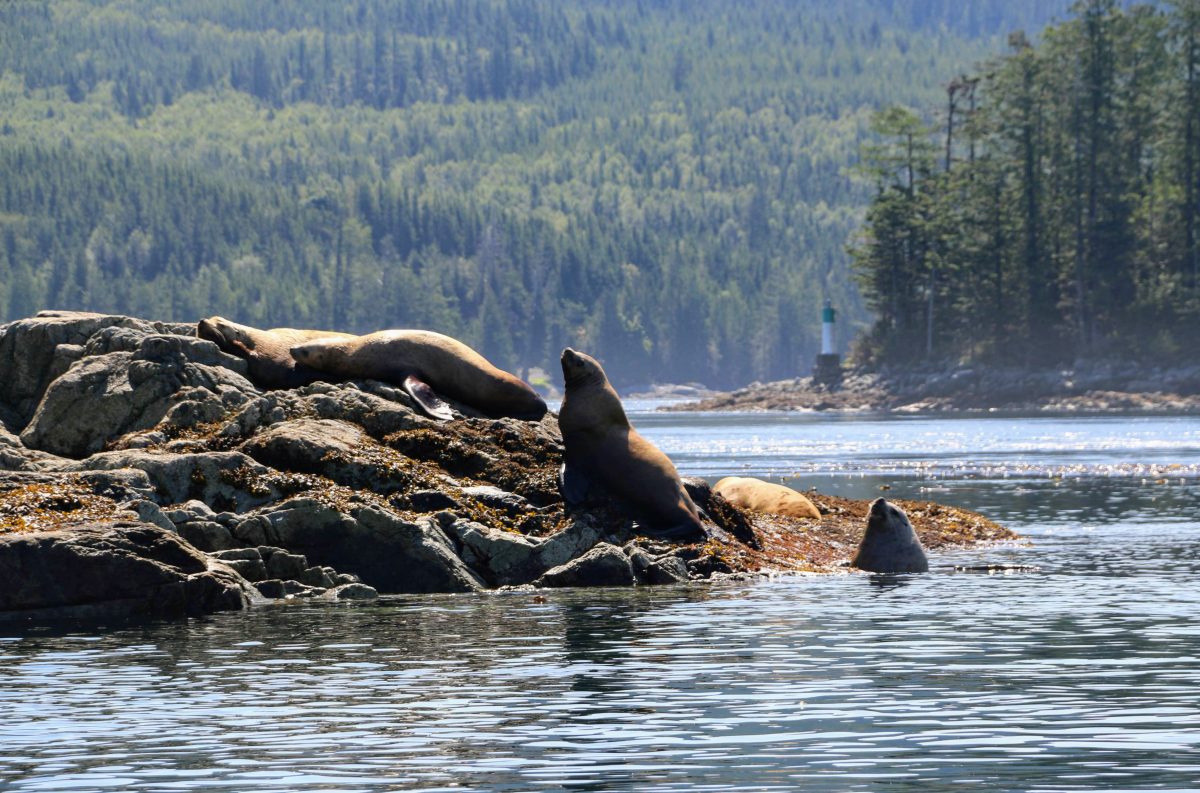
(425, 364)
(602, 448)
(759, 496)
(889, 545)
(269, 363)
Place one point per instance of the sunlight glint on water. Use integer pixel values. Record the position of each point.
(1083, 675)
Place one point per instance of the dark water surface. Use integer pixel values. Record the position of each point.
(1083, 675)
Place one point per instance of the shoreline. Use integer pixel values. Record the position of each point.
(1096, 389)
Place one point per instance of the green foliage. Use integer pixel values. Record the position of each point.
(666, 184)
(1063, 223)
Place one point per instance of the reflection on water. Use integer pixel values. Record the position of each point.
(1083, 675)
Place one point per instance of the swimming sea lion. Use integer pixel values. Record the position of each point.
(889, 545)
(270, 365)
(759, 496)
(426, 364)
(602, 448)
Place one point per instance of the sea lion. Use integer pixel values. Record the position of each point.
(889, 545)
(426, 364)
(759, 496)
(601, 448)
(270, 365)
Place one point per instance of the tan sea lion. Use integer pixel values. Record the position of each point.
(426, 364)
(602, 449)
(759, 496)
(270, 365)
(889, 545)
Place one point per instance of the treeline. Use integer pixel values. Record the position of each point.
(1052, 213)
(665, 184)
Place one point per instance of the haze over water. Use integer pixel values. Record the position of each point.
(1082, 675)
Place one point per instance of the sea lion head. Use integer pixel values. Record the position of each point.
(229, 336)
(579, 368)
(889, 544)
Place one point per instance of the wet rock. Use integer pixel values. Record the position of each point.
(383, 550)
(352, 591)
(322, 577)
(605, 565)
(272, 588)
(284, 565)
(112, 570)
(665, 569)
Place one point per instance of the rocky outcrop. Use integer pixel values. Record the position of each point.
(112, 570)
(144, 475)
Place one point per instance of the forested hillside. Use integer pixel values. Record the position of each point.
(665, 184)
(1056, 217)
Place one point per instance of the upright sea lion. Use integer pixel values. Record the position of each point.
(270, 365)
(426, 364)
(602, 448)
(889, 545)
(759, 496)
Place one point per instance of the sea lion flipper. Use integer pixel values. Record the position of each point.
(573, 484)
(424, 395)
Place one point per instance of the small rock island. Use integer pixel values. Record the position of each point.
(143, 475)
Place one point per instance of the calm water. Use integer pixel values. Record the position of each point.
(1084, 675)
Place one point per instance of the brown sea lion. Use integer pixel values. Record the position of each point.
(602, 449)
(889, 545)
(270, 365)
(759, 496)
(426, 364)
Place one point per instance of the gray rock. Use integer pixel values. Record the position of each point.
(237, 555)
(272, 588)
(386, 552)
(501, 557)
(284, 565)
(148, 512)
(351, 591)
(14, 456)
(103, 397)
(252, 570)
(310, 446)
(322, 577)
(573, 541)
(604, 565)
(112, 570)
(430, 501)
(28, 348)
(297, 590)
(206, 535)
(496, 498)
(229, 480)
(665, 569)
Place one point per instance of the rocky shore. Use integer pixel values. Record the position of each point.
(1090, 388)
(143, 475)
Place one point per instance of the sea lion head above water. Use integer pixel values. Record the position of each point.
(889, 544)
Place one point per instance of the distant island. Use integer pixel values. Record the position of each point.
(1097, 388)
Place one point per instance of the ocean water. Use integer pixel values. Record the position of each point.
(1083, 674)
